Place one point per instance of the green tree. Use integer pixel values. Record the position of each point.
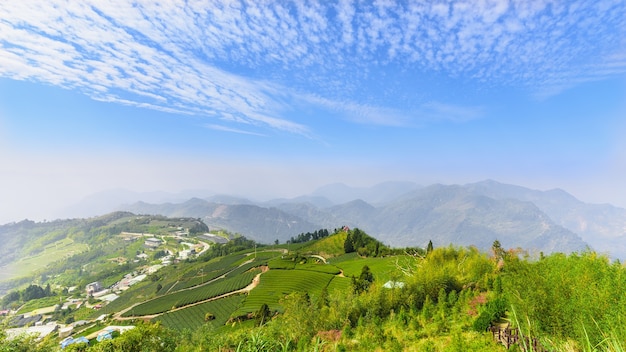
(494, 310)
(497, 250)
(159, 254)
(263, 314)
(33, 292)
(428, 309)
(366, 274)
(364, 281)
(348, 246)
(12, 296)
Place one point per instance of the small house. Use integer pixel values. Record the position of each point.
(93, 288)
(152, 242)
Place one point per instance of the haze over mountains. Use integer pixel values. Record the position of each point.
(406, 214)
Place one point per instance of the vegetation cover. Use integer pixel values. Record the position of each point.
(276, 284)
(363, 296)
(215, 312)
(83, 248)
(187, 297)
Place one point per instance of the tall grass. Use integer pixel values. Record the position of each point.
(611, 342)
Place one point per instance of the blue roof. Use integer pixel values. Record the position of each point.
(68, 341)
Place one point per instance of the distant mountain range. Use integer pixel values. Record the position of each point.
(405, 214)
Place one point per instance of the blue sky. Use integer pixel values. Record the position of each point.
(277, 98)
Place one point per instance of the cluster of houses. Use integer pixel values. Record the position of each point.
(96, 290)
(34, 323)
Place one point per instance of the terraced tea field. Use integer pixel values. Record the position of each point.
(275, 284)
(383, 269)
(322, 268)
(194, 316)
(340, 284)
(190, 296)
(280, 263)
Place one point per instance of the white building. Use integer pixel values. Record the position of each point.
(152, 242)
(93, 287)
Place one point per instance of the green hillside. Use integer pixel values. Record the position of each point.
(59, 248)
(243, 296)
(39, 260)
(330, 246)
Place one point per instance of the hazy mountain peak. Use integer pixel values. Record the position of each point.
(400, 212)
(340, 193)
(228, 199)
(316, 201)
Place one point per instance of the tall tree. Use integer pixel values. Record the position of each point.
(363, 282)
(348, 246)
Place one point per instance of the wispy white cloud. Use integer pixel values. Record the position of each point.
(428, 112)
(230, 129)
(239, 61)
(437, 111)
